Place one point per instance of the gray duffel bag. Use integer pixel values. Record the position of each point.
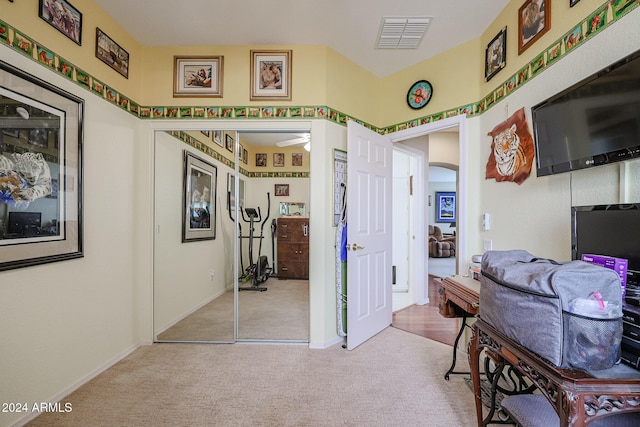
(568, 313)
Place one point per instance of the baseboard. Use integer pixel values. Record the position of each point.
(190, 312)
(325, 345)
(82, 381)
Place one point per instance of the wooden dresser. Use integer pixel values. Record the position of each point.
(293, 248)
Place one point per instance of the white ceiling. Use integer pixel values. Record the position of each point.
(349, 27)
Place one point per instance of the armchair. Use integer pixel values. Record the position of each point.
(440, 246)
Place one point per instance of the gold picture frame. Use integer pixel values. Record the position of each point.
(271, 75)
(198, 76)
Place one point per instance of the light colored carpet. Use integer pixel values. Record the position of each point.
(442, 267)
(394, 379)
(280, 313)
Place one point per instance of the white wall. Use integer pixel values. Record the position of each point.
(536, 215)
(64, 321)
(182, 280)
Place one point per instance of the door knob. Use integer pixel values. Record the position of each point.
(355, 247)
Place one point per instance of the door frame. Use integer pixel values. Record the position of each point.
(417, 246)
(461, 199)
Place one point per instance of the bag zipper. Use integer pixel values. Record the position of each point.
(506, 285)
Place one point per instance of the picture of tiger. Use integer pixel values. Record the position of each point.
(512, 150)
(24, 178)
(508, 152)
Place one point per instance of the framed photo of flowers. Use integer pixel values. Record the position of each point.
(271, 75)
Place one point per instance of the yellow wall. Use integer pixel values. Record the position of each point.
(23, 15)
(453, 75)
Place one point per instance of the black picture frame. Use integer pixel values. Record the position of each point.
(496, 55)
(41, 223)
(199, 196)
(445, 206)
(228, 142)
(573, 2)
(419, 94)
(66, 19)
(111, 53)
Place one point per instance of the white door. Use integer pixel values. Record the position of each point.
(369, 237)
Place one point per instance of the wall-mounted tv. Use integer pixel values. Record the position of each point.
(592, 123)
(610, 230)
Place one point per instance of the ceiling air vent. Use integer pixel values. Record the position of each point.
(402, 33)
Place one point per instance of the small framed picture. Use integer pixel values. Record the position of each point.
(278, 159)
(63, 17)
(229, 142)
(217, 137)
(281, 190)
(197, 76)
(296, 159)
(261, 159)
(445, 206)
(199, 211)
(496, 55)
(534, 19)
(245, 156)
(271, 75)
(111, 53)
(573, 2)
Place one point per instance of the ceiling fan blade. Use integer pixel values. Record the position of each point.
(302, 138)
(294, 141)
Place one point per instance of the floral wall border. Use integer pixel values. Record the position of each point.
(602, 17)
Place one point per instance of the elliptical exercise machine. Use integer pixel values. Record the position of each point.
(259, 271)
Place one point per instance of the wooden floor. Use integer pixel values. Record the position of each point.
(425, 320)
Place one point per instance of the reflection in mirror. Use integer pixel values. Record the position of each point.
(270, 257)
(30, 153)
(193, 279)
(292, 209)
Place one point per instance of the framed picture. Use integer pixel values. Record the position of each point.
(496, 55)
(261, 159)
(42, 221)
(534, 19)
(197, 76)
(271, 75)
(199, 195)
(245, 156)
(573, 2)
(63, 17)
(278, 160)
(217, 137)
(111, 53)
(445, 206)
(228, 142)
(240, 153)
(419, 94)
(296, 159)
(281, 190)
(231, 191)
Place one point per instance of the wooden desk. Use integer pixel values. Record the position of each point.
(459, 297)
(578, 397)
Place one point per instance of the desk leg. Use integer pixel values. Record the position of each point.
(455, 348)
(474, 362)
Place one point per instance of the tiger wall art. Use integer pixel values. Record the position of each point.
(512, 150)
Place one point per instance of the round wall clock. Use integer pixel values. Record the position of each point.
(419, 94)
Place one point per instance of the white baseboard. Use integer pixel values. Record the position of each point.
(190, 312)
(82, 381)
(325, 345)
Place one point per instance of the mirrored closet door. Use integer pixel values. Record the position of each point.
(194, 241)
(202, 292)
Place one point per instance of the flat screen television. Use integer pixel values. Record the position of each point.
(592, 123)
(612, 230)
